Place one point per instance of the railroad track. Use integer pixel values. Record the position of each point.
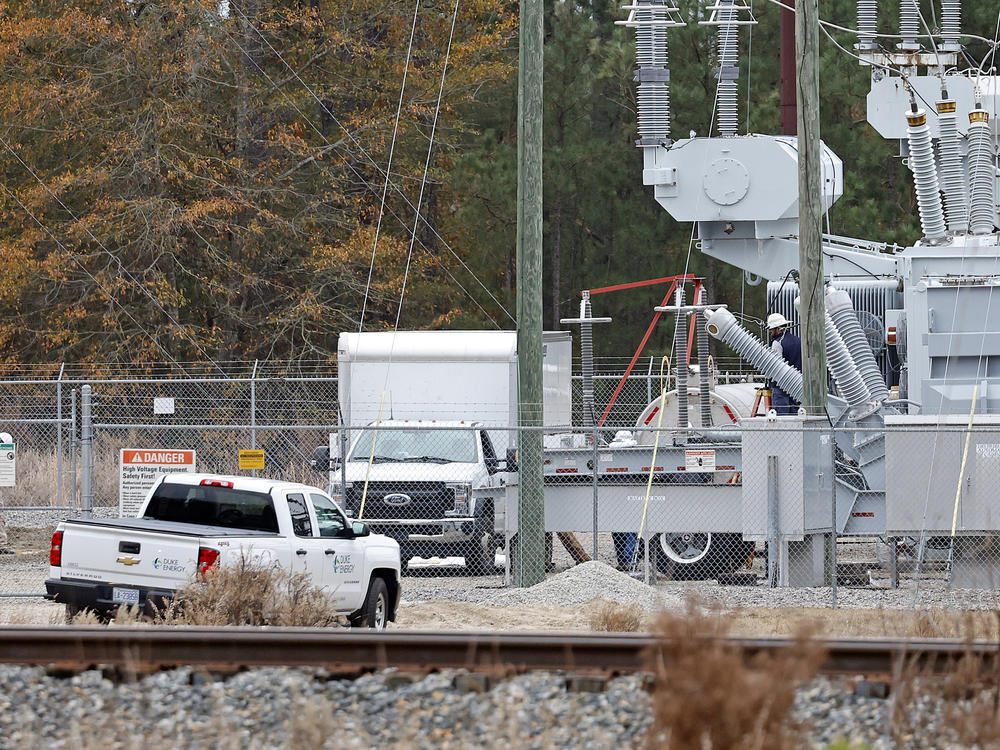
(344, 651)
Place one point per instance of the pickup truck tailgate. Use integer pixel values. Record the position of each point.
(137, 551)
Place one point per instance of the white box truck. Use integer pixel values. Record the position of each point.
(438, 410)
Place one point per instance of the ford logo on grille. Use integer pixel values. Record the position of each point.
(396, 499)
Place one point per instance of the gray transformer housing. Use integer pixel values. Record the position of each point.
(804, 492)
(924, 458)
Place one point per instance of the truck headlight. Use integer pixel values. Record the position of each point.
(463, 496)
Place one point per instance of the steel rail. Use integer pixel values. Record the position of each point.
(352, 651)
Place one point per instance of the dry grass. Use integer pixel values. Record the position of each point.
(246, 592)
(617, 617)
(706, 695)
(860, 623)
(960, 709)
(37, 470)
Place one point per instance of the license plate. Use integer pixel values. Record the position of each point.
(124, 596)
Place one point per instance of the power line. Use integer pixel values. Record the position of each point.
(350, 137)
(388, 171)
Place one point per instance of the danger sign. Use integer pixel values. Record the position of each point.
(139, 469)
(699, 460)
(8, 463)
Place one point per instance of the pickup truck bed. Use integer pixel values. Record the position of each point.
(190, 523)
(169, 527)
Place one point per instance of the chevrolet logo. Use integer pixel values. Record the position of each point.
(128, 560)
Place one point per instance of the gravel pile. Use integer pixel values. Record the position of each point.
(585, 582)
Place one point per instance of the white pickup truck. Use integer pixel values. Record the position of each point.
(192, 522)
(414, 481)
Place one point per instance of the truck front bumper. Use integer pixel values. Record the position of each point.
(99, 596)
(448, 530)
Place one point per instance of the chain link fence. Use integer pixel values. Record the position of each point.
(901, 513)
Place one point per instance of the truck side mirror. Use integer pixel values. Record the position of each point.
(360, 528)
(512, 459)
(321, 460)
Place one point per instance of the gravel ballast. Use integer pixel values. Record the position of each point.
(265, 708)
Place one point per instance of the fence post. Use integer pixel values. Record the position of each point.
(649, 382)
(86, 453)
(833, 514)
(894, 563)
(597, 458)
(59, 437)
(772, 521)
(72, 447)
(253, 410)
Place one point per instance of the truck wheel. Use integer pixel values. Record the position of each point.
(72, 610)
(480, 556)
(689, 556)
(374, 613)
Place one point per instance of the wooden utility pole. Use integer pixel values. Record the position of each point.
(811, 307)
(530, 552)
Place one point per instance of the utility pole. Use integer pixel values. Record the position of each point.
(811, 306)
(530, 551)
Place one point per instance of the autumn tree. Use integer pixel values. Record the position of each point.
(193, 180)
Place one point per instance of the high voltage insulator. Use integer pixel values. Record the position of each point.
(680, 359)
(951, 24)
(925, 179)
(841, 311)
(867, 23)
(723, 326)
(841, 365)
(703, 374)
(909, 24)
(651, 21)
(951, 168)
(982, 171)
(728, 75)
(726, 17)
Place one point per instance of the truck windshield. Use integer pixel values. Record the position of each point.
(428, 445)
(212, 506)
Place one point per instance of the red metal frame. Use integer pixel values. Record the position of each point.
(649, 331)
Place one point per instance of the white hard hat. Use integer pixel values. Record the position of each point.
(776, 320)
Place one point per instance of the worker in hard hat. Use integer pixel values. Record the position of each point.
(788, 346)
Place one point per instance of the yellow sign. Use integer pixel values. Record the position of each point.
(251, 459)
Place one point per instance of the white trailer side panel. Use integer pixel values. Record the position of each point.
(446, 375)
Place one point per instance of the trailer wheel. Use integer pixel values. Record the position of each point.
(374, 613)
(686, 556)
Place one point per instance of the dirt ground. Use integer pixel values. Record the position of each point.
(26, 569)
(446, 615)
